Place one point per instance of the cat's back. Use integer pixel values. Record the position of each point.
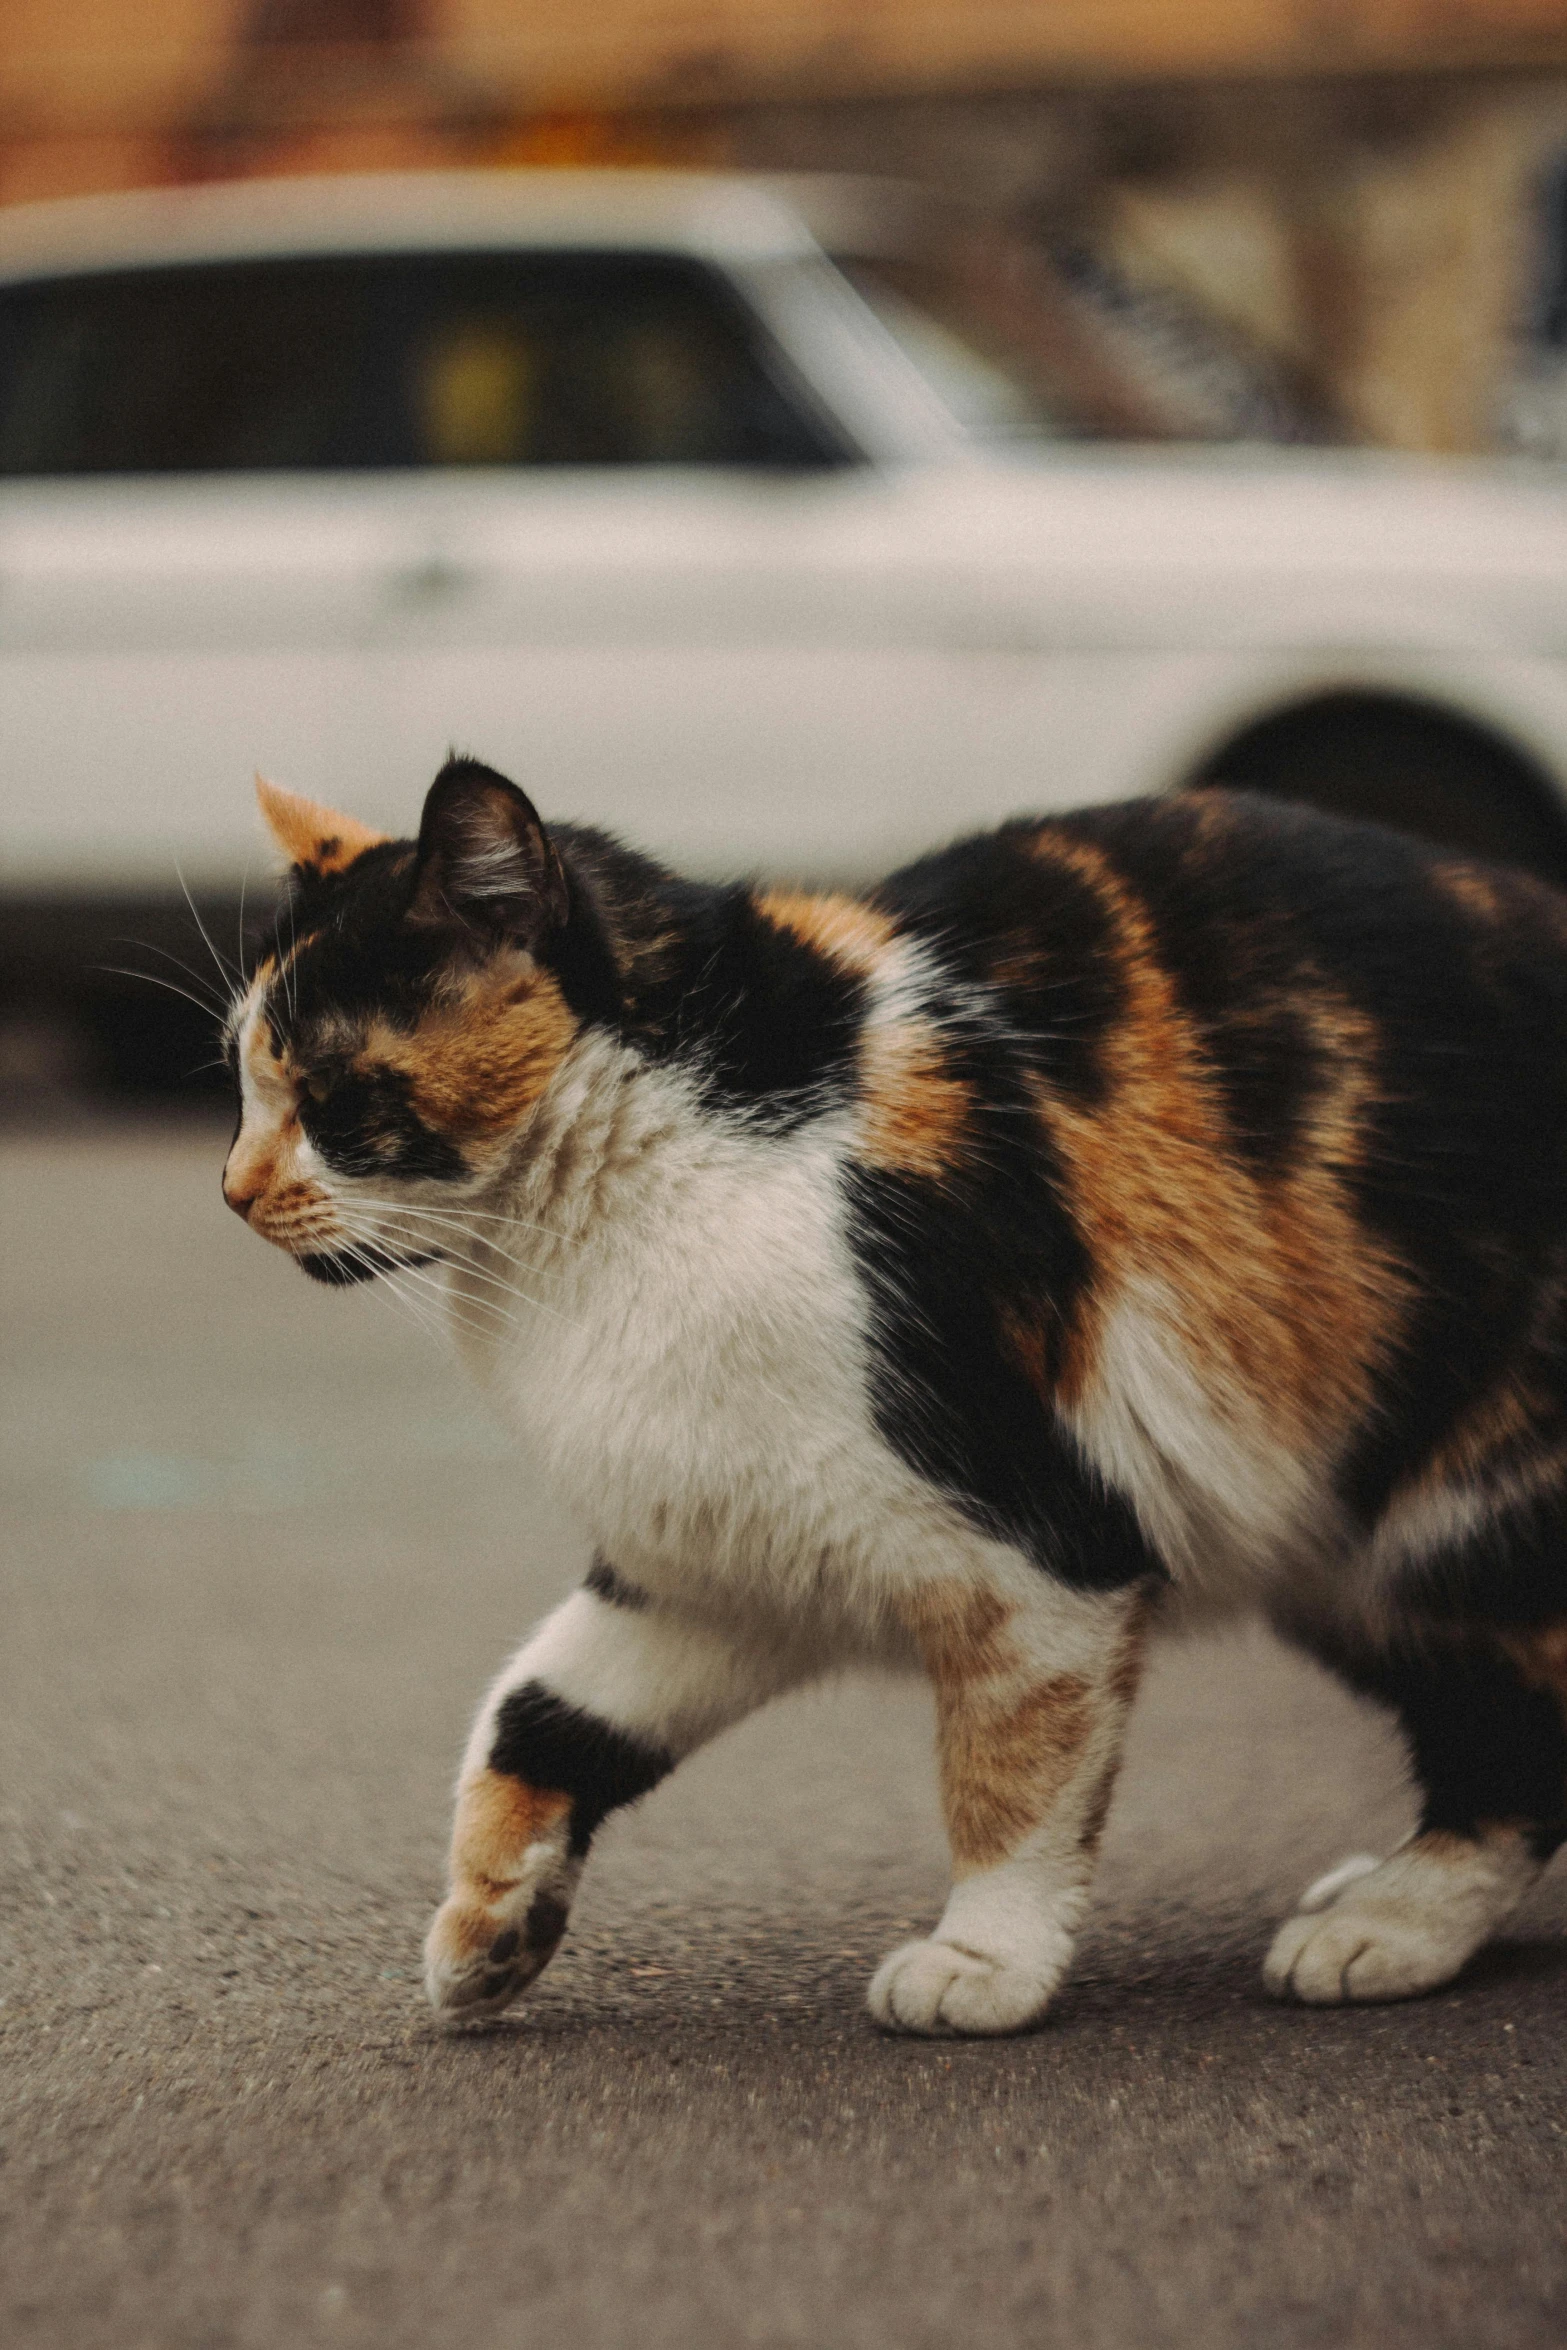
(1295, 1094)
(1241, 903)
(1265, 949)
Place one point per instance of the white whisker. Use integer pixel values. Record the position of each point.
(479, 1273)
(156, 979)
(285, 963)
(226, 972)
(492, 1305)
(439, 1289)
(423, 1320)
(465, 1313)
(466, 1215)
(147, 946)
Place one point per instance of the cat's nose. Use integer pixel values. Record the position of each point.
(240, 1201)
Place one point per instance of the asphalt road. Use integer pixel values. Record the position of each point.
(262, 1551)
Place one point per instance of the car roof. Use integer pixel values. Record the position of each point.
(717, 217)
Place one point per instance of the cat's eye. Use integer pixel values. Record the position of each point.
(318, 1087)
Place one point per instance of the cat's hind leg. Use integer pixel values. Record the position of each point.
(595, 1708)
(1032, 1692)
(1484, 1719)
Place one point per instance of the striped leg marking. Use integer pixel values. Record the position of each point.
(601, 1702)
(1030, 1708)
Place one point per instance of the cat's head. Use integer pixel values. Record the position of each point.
(411, 1014)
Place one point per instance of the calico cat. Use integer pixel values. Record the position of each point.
(1156, 1209)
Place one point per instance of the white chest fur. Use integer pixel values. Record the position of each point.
(691, 1374)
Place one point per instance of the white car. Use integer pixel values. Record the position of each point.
(618, 481)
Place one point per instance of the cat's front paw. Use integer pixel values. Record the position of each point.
(936, 1988)
(479, 1954)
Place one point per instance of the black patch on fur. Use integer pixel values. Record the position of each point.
(956, 1266)
(505, 1946)
(580, 955)
(603, 1581)
(342, 1272)
(1512, 1572)
(546, 1742)
(768, 1023)
(947, 1265)
(545, 1922)
(699, 976)
(1484, 1746)
(356, 955)
(367, 1125)
(1036, 935)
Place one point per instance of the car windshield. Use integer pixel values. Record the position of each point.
(395, 360)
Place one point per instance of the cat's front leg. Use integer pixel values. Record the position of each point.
(1032, 1692)
(605, 1698)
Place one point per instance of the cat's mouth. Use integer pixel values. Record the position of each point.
(342, 1270)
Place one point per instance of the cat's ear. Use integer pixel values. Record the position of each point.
(485, 862)
(317, 838)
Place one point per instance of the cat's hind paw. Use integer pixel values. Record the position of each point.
(479, 1956)
(937, 1988)
(1394, 1928)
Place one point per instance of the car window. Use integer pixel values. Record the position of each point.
(391, 360)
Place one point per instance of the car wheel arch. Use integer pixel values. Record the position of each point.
(1402, 756)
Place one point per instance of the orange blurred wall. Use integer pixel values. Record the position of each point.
(108, 93)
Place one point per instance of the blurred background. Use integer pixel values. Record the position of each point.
(1185, 407)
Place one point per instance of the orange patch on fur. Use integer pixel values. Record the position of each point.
(1281, 1300)
(1003, 1763)
(1005, 1748)
(959, 1629)
(1450, 1850)
(1475, 891)
(1030, 1345)
(1541, 1657)
(1048, 1350)
(309, 834)
(913, 1112)
(1499, 1423)
(852, 933)
(478, 1063)
(497, 1819)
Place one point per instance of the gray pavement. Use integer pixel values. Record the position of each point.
(262, 1550)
